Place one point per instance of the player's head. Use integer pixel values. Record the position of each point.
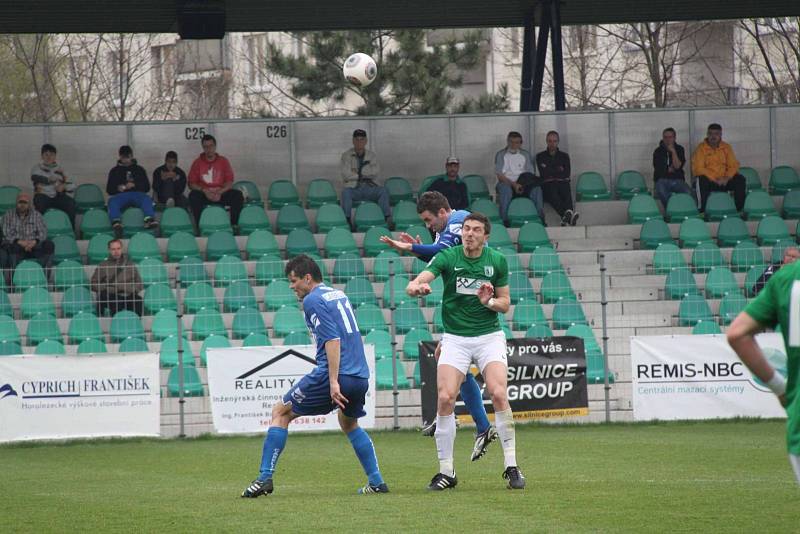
(790, 255)
(475, 231)
(434, 210)
(303, 274)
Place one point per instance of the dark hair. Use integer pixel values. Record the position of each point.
(47, 147)
(552, 132)
(171, 155)
(114, 241)
(432, 201)
(125, 150)
(514, 135)
(714, 126)
(670, 129)
(208, 137)
(481, 218)
(302, 265)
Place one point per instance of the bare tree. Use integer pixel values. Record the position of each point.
(770, 57)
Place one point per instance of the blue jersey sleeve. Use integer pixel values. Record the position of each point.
(450, 237)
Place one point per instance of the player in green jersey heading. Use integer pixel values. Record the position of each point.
(475, 290)
(777, 303)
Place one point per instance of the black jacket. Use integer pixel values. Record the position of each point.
(180, 181)
(120, 174)
(455, 192)
(662, 159)
(553, 168)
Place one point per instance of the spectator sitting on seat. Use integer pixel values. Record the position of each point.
(51, 185)
(451, 186)
(211, 182)
(514, 169)
(169, 182)
(554, 169)
(790, 255)
(668, 160)
(360, 166)
(716, 169)
(128, 187)
(117, 282)
(24, 236)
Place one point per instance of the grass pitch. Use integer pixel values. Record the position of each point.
(711, 476)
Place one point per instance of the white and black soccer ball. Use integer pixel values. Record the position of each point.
(360, 69)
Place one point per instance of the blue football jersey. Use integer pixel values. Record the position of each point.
(450, 236)
(329, 315)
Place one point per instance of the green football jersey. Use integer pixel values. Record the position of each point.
(779, 303)
(462, 312)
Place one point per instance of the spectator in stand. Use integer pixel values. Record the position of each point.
(514, 169)
(790, 255)
(128, 187)
(451, 186)
(668, 161)
(554, 170)
(117, 282)
(169, 182)
(51, 185)
(716, 169)
(24, 236)
(360, 165)
(211, 182)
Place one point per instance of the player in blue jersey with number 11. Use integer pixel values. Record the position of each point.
(340, 379)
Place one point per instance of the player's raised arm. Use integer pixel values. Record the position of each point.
(741, 337)
(495, 298)
(420, 286)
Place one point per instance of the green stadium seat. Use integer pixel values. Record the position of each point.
(76, 300)
(95, 222)
(212, 342)
(421, 232)
(521, 288)
(746, 255)
(730, 306)
(629, 184)
(132, 222)
(321, 264)
(679, 283)
(338, 241)
(436, 295)
(50, 347)
(693, 309)
(330, 216)
(297, 338)
(399, 189)
(92, 346)
(372, 241)
(791, 204)
(159, 297)
(720, 206)
(382, 341)
(239, 294)
(522, 210)
(58, 223)
(682, 206)
(282, 193)
(320, 192)
(207, 322)
(591, 186)
(567, 312)
(126, 324)
(369, 317)
(84, 326)
(36, 300)
(66, 248)
(428, 182)
(262, 243)
(10, 348)
(488, 208)
(758, 205)
(192, 385)
(142, 246)
(28, 274)
(347, 266)
(5, 304)
(168, 353)
(720, 282)
(8, 330)
(642, 208)
(408, 316)
(555, 286)
(400, 296)
(412, 340)
(268, 269)
(500, 237)
(253, 218)
(476, 186)
(653, 233)
(214, 219)
(291, 217)
(381, 266)
(98, 248)
(252, 196)
(248, 321)
(705, 327)
(384, 376)
(707, 256)
(133, 344)
(221, 244)
(438, 325)
(67, 274)
(783, 179)
(165, 324)
(539, 331)
(175, 219)
(512, 259)
(288, 320)
(405, 215)
(199, 296)
(300, 241)
(181, 245)
(732, 231)
(153, 271)
(8, 197)
(278, 295)
(771, 229)
(752, 179)
(360, 291)
(526, 314)
(586, 333)
(668, 257)
(693, 232)
(229, 269)
(368, 214)
(532, 236)
(257, 340)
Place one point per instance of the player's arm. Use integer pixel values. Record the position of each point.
(420, 286)
(333, 351)
(497, 299)
(741, 337)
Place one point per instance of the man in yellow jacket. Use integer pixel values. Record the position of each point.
(716, 168)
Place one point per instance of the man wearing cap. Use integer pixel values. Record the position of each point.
(451, 186)
(24, 236)
(360, 169)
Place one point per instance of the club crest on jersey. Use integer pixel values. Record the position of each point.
(488, 270)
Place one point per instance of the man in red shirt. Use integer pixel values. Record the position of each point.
(211, 182)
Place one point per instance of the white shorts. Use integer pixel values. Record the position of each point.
(461, 351)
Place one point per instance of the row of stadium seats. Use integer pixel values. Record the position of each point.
(720, 206)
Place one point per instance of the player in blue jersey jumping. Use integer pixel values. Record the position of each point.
(435, 212)
(340, 380)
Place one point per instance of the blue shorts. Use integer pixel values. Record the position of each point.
(312, 395)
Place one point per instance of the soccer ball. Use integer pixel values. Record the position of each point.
(360, 69)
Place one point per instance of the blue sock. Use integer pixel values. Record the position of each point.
(471, 395)
(273, 446)
(365, 451)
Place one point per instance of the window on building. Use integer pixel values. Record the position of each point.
(162, 62)
(256, 47)
(118, 60)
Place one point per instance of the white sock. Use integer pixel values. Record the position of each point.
(505, 428)
(445, 436)
(795, 461)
